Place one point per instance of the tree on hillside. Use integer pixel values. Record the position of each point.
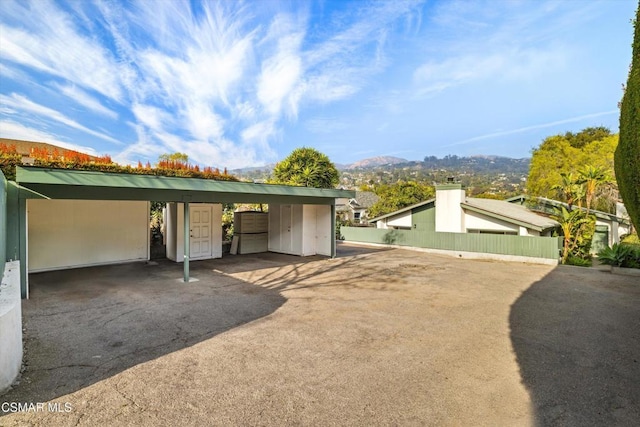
(627, 156)
(587, 135)
(400, 195)
(557, 156)
(591, 177)
(306, 167)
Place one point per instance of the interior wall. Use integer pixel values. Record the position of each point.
(77, 233)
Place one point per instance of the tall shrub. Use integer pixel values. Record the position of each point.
(627, 155)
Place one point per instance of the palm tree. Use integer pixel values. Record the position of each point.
(569, 189)
(571, 224)
(592, 177)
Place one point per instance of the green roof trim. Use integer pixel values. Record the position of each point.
(76, 184)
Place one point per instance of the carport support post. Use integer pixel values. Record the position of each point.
(187, 235)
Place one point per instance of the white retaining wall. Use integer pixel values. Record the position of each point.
(10, 325)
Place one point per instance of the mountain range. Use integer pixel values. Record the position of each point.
(475, 163)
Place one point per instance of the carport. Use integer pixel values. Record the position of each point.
(36, 183)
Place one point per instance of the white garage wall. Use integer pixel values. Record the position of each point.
(77, 233)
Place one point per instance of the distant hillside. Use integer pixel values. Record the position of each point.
(376, 161)
(496, 176)
(481, 174)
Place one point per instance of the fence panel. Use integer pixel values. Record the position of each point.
(528, 246)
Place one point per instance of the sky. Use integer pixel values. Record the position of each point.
(238, 84)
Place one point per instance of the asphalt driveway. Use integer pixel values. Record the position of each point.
(382, 337)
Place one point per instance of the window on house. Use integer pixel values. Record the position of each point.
(356, 215)
(501, 232)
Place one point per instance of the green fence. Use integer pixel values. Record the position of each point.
(527, 246)
(3, 222)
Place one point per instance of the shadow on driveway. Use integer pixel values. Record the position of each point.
(576, 334)
(85, 325)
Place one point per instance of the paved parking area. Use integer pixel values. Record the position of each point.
(382, 337)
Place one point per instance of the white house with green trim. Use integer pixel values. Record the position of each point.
(452, 211)
(465, 227)
(609, 227)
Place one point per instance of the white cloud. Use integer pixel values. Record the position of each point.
(515, 64)
(509, 40)
(13, 130)
(50, 42)
(83, 98)
(150, 116)
(215, 83)
(534, 127)
(22, 104)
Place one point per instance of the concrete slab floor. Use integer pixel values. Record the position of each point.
(374, 337)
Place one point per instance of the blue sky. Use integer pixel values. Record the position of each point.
(236, 84)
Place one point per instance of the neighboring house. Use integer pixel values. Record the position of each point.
(356, 210)
(453, 211)
(609, 227)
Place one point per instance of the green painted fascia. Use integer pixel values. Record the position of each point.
(63, 183)
(504, 218)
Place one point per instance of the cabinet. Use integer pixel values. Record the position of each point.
(252, 231)
(300, 229)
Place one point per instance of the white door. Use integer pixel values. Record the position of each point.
(200, 222)
(285, 228)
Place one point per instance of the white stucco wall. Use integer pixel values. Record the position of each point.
(78, 233)
(449, 214)
(478, 221)
(400, 220)
(10, 325)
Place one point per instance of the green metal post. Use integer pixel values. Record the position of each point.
(187, 238)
